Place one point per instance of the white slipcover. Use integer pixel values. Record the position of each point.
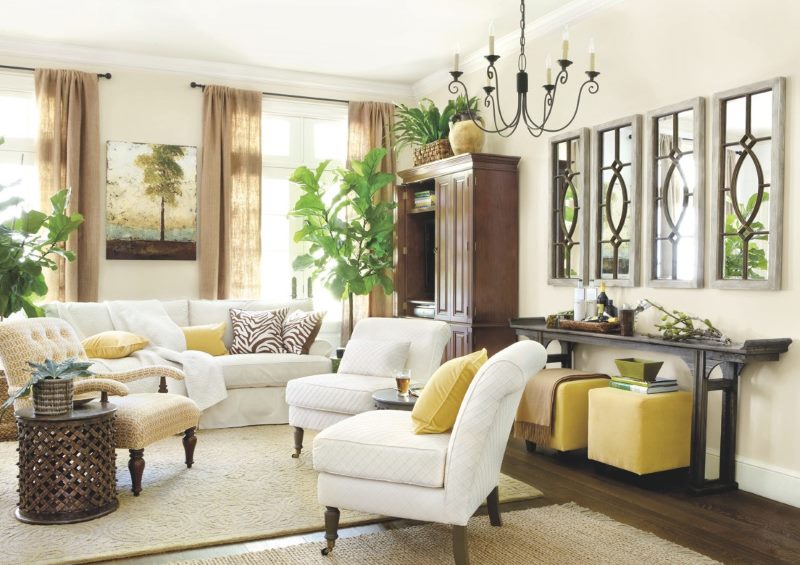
(475, 449)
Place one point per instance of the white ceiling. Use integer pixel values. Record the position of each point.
(379, 40)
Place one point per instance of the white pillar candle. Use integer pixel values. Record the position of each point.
(548, 65)
(565, 44)
(491, 38)
(592, 56)
(455, 58)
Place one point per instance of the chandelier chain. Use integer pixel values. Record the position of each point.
(523, 63)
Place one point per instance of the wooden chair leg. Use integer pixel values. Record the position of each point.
(460, 547)
(189, 441)
(493, 504)
(136, 467)
(298, 442)
(331, 528)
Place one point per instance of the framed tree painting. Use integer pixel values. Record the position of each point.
(151, 201)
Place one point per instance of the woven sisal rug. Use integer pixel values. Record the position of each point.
(244, 486)
(551, 535)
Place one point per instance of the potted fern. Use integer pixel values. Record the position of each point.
(52, 386)
(426, 128)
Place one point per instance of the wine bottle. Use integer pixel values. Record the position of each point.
(602, 301)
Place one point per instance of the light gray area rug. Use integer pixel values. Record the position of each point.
(244, 486)
(550, 535)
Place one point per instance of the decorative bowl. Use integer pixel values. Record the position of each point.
(639, 369)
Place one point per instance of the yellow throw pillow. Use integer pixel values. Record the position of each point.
(206, 338)
(437, 407)
(113, 344)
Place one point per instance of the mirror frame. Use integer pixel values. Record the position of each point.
(583, 164)
(778, 159)
(698, 107)
(635, 192)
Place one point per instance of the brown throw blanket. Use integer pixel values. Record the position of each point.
(536, 412)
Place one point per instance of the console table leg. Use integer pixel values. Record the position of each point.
(697, 471)
(730, 401)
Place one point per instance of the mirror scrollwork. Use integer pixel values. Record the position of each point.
(617, 191)
(569, 208)
(676, 195)
(748, 179)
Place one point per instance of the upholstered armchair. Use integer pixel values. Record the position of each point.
(318, 401)
(141, 419)
(374, 462)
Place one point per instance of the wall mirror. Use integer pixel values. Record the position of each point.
(675, 190)
(617, 190)
(748, 163)
(569, 208)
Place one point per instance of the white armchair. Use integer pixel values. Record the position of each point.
(374, 462)
(318, 401)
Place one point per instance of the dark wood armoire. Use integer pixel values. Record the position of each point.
(458, 256)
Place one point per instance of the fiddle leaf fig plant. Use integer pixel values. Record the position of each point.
(64, 371)
(349, 230)
(29, 243)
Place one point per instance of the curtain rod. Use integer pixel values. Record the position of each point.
(99, 75)
(198, 85)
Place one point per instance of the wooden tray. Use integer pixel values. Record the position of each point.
(595, 327)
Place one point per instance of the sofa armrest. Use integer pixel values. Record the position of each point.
(320, 347)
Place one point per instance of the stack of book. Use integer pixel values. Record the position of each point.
(661, 384)
(424, 199)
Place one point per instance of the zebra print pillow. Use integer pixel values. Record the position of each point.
(257, 332)
(299, 331)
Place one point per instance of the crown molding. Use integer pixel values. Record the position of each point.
(202, 71)
(509, 44)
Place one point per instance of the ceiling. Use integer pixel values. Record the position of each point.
(380, 40)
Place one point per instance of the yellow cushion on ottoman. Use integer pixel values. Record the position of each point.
(437, 406)
(638, 432)
(571, 426)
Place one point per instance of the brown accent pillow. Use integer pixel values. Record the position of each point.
(257, 331)
(300, 329)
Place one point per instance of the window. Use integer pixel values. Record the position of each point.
(18, 153)
(294, 134)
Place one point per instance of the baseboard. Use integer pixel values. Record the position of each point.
(759, 478)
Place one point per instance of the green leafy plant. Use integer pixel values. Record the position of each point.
(423, 124)
(757, 261)
(29, 243)
(350, 232)
(680, 326)
(464, 109)
(49, 370)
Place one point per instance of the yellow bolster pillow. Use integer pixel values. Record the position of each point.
(206, 338)
(437, 406)
(113, 344)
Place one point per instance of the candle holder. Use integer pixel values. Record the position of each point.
(536, 127)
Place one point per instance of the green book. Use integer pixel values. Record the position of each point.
(642, 389)
(656, 383)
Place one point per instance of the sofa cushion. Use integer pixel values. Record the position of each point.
(336, 392)
(300, 329)
(207, 338)
(178, 310)
(381, 445)
(88, 318)
(256, 370)
(257, 332)
(113, 344)
(215, 311)
(377, 358)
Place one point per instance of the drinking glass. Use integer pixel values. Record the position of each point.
(403, 379)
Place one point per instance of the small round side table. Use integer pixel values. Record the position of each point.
(390, 399)
(67, 465)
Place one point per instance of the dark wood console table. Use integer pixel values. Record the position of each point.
(702, 358)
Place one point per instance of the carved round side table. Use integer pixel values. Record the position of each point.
(390, 399)
(67, 465)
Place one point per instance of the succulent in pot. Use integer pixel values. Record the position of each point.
(51, 385)
(465, 136)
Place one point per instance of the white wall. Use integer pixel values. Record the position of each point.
(652, 53)
(160, 107)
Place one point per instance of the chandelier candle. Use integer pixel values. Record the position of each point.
(592, 56)
(496, 121)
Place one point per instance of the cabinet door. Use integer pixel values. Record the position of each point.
(444, 234)
(460, 244)
(460, 343)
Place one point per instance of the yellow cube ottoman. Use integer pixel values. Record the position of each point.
(638, 432)
(571, 409)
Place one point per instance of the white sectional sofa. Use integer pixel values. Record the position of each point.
(256, 383)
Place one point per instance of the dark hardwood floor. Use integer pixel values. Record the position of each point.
(734, 527)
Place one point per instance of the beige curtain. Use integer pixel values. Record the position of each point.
(68, 154)
(370, 126)
(230, 194)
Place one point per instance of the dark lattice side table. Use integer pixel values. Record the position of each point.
(67, 465)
